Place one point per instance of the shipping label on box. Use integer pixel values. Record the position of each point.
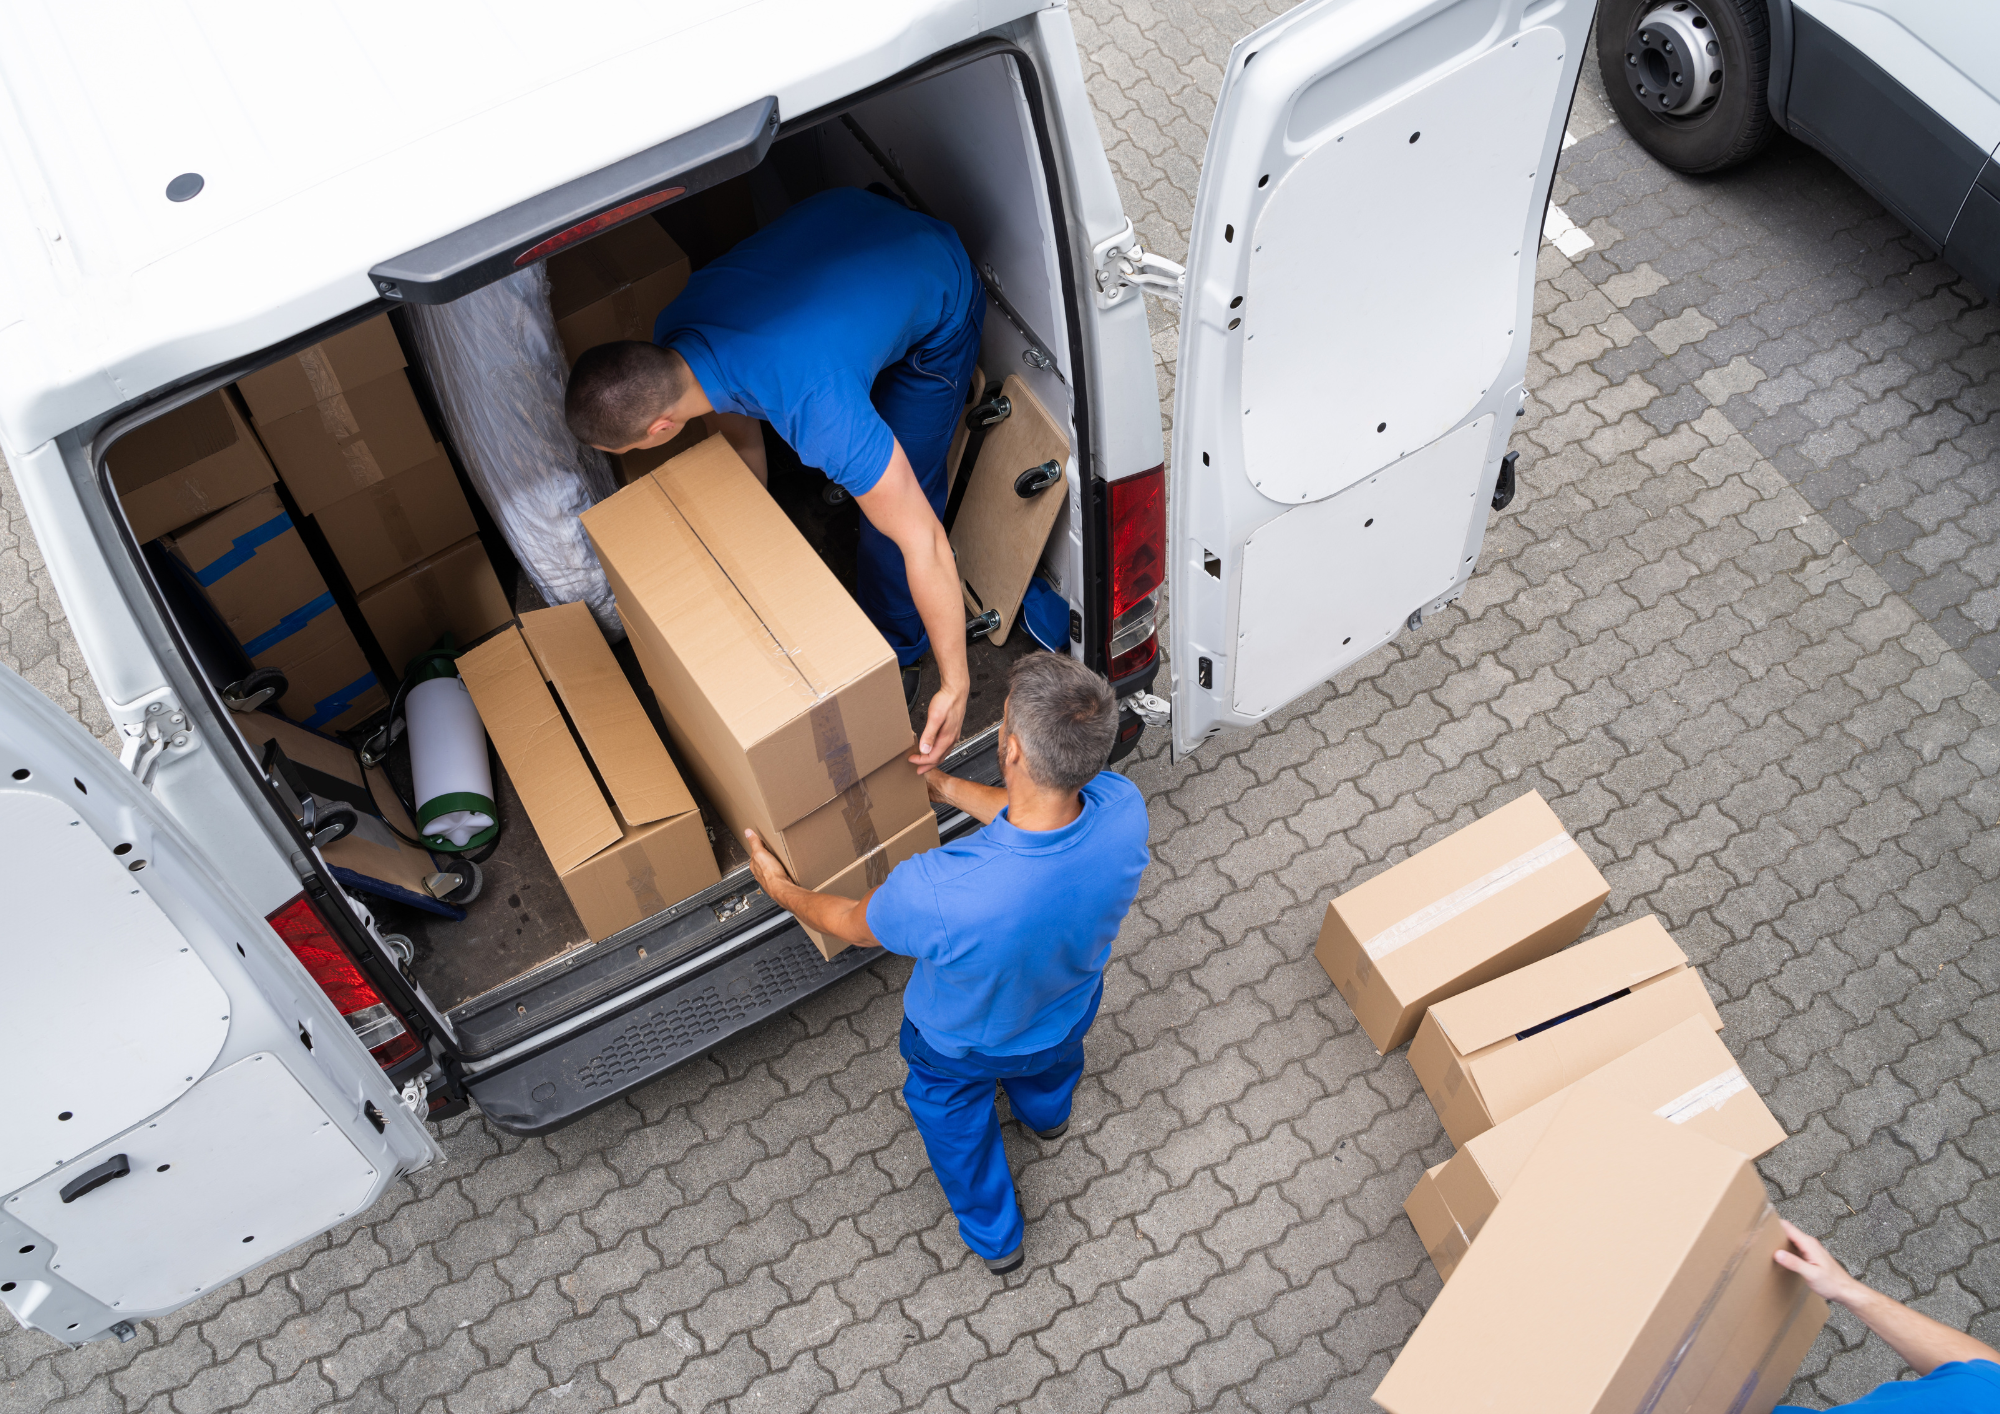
(779, 692)
(398, 521)
(1489, 1053)
(869, 872)
(186, 464)
(1501, 892)
(326, 370)
(614, 286)
(454, 590)
(350, 441)
(620, 860)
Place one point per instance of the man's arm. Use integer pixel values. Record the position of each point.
(837, 917)
(746, 436)
(982, 803)
(1923, 1343)
(895, 505)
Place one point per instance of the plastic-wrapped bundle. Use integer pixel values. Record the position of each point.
(499, 373)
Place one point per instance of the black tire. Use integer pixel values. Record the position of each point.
(1732, 129)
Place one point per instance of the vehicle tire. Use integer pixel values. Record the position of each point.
(1637, 49)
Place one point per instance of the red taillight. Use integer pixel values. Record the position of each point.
(1138, 569)
(603, 221)
(375, 1022)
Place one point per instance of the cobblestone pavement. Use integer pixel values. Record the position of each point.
(1720, 631)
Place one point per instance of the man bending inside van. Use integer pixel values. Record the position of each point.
(850, 324)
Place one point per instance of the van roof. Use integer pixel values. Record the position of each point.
(331, 135)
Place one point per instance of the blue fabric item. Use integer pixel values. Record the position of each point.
(951, 1099)
(797, 322)
(1046, 613)
(1010, 928)
(243, 549)
(332, 705)
(287, 626)
(1962, 1387)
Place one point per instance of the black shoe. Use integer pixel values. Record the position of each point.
(911, 676)
(1000, 1266)
(1052, 1134)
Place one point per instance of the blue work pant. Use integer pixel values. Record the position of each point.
(951, 1099)
(921, 397)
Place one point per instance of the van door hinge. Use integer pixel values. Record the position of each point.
(150, 730)
(1153, 711)
(1122, 264)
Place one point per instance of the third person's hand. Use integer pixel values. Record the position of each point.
(941, 728)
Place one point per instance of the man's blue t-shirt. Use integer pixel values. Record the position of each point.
(1962, 1387)
(1011, 928)
(794, 323)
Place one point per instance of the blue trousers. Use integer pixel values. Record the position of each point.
(921, 397)
(951, 1099)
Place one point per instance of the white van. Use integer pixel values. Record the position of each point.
(217, 1052)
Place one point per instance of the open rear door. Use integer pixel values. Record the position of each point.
(182, 1102)
(1354, 331)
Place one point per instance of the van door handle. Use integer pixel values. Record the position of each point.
(113, 1167)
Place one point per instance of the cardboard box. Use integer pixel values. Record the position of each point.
(778, 691)
(622, 860)
(455, 589)
(869, 871)
(1685, 1075)
(614, 287)
(261, 580)
(329, 368)
(334, 688)
(391, 525)
(851, 825)
(1628, 1267)
(1503, 891)
(328, 769)
(186, 464)
(1488, 1054)
(350, 441)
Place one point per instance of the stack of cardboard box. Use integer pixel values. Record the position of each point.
(1602, 1226)
(345, 431)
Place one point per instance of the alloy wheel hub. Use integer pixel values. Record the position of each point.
(1672, 60)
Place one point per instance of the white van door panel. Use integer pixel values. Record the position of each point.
(1354, 332)
(177, 1083)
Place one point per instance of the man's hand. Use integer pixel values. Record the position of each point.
(1924, 1343)
(837, 917)
(769, 870)
(941, 726)
(1826, 1277)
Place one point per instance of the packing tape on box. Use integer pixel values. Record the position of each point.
(858, 811)
(361, 463)
(1657, 1390)
(1709, 1095)
(831, 746)
(395, 518)
(645, 887)
(876, 871)
(1436, 915)
(320, 377)
(243, 549)
(337, 419)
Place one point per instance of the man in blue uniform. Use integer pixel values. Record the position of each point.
(851, 324)
(1011, 928)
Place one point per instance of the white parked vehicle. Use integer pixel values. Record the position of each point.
(217, 1051)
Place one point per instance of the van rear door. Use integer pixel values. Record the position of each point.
(1354, 331)
(183, 1102)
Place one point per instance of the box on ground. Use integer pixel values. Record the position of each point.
(1504, 890)
(386, 528)
(619, 861)
(350, 441)
(614, 286)
(1489, 1053)
(326, 370)
(870, 870)
(329, 770)
(778, 691)
(1628, 1267)
(455, 589)
(1684, 1075)
(186, 464)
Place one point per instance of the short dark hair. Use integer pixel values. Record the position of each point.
(1065, 717)
(616, 390)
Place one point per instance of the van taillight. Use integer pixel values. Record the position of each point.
(1138, 569)
(375, 1022)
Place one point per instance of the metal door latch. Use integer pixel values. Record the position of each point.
(161, 729)
(416, 1096)
(1153, 711)
(1122, 264)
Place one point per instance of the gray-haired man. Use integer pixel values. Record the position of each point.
(1011, 928)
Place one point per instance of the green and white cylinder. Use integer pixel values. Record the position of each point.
(448, 765)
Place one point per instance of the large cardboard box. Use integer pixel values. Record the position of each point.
(186, 464)
(620, 860)
(614, 287)
(1629, 1267)
(455, 589)
(1504, 890)
(350, 441)
(870, 870)
(1685, 1075)
(1487, 1054)
(261, 580)
(334, 688)
(386, 528)
(326, 370)
(778, 691)
(849, 827)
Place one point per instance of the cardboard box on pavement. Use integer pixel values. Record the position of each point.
(350, 441)
(186, 464)
(614, 286)
(622, 860)
(1501, 892)
(329, 368)
(778, 691)
(1488, 1054)
(1628, 1267)
(455, 589)
(386, 528)
(1684, 1075)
